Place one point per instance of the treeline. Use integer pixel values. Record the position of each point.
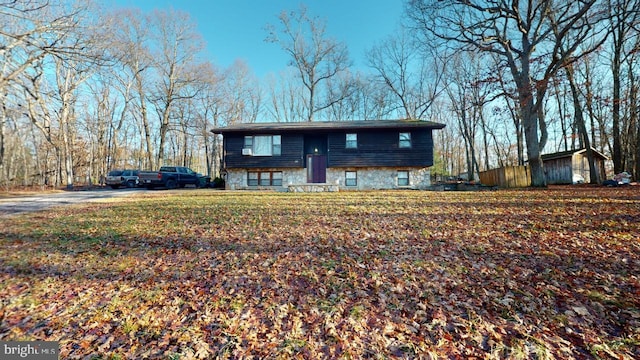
(85, 90)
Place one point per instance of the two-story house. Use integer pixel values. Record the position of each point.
(316, 156)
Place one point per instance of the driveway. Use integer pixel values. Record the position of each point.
(30, 203)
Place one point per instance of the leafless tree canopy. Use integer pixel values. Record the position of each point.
(533, 39)
(318, 59)
(86, 89)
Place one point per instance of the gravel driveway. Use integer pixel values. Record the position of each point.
(30, 203)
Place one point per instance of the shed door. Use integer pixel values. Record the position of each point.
(316, 168)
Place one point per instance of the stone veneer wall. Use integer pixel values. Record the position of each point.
(368, 178)
(381, 178)
(236, 179)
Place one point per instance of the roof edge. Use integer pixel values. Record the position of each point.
(562, 154)
(327, 125)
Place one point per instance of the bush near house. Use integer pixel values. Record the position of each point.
(401, 274)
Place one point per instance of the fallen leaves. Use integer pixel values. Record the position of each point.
(201, 274)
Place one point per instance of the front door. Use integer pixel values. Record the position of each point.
(317, 169)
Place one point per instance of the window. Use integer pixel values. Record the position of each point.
(351, 178)
(403, 178)
(248, 142)
(276, 178)
(264, 178)
(252, 179)
(404, 140)
(351, 141)
(276, 145)
(263, 145)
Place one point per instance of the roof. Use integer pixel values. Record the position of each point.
(327, 126)
(563, 154)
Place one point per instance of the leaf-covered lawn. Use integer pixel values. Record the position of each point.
(409, 274)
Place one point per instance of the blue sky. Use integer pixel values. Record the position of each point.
(235, 29)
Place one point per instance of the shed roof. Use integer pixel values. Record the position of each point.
(330, 126)
(563, 154)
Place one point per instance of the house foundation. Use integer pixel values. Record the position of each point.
(367, 178)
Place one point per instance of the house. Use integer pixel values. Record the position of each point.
(570, 167)
(328, 156)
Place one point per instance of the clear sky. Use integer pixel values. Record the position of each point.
(235, 29)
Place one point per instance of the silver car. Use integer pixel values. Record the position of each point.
(118, 178)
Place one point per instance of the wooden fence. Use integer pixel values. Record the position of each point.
(507, 177)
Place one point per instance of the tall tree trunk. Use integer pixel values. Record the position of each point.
(164, 129)
(517, 124)
(594, 177)
(634, 117)
(530, 123)
(3, 115)
(530, 114)
(485, 140)
(618, 41)
(563, 124)
(145, 122)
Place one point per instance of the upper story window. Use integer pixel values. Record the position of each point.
(404, 141)
(262, 145)
(351, 141)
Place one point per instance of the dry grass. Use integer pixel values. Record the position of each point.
(207, 274)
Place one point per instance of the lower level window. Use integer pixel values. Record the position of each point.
(403, 178)
(264, 178)
(351, 178)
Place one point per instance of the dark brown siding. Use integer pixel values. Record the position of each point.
(375, 148)
(291, 153)
(380, 148)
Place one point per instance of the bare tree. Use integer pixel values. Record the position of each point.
(130, 41)
(209, 108)
(448, 142)
(624, 28)
(178, 44)
(52, 107)
(100, 125)
(412, 74)
(581, 124)
(127, 38)
(31, 31)
(521, 33)
(370, 99)
(469, 90)
(284, 94)
(242, 97)
(317, 58)
(52, 77)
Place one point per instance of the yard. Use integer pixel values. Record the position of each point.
(401, 274)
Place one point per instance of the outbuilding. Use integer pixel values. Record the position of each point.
(571, 167)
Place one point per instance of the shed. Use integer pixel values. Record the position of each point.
(571, 167)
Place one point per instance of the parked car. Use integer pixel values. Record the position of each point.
(118, 178)
(171, 177)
